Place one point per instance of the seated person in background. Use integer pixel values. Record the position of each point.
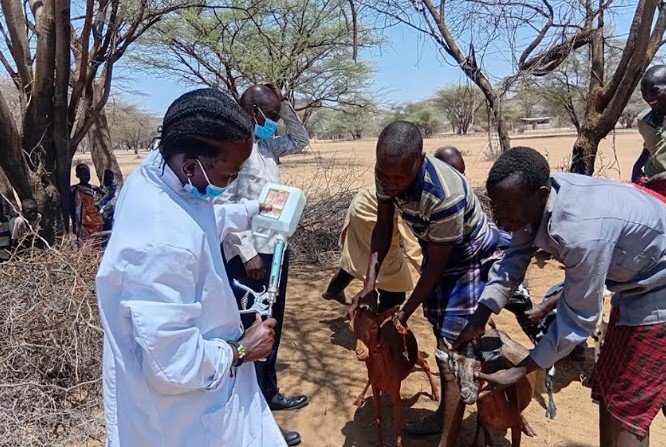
(25, 225)
(394, 279)
(86, 218)
(5, 234)
(107, 203)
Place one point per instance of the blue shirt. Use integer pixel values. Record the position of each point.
(605, 233)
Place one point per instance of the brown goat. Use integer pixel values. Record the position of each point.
(389, 356)
(503, 409)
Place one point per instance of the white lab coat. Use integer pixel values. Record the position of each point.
(168, 312)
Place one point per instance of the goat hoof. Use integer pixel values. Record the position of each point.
(551, 413)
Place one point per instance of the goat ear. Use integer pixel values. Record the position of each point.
(387, 313)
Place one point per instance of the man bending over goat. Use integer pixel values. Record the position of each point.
(604, 232)
(457, 240)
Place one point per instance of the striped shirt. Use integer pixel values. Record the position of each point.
(441, 206)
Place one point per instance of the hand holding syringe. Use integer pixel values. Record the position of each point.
(282, 207)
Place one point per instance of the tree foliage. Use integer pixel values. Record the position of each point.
(60, 56)
(308, 47)
(460, 104)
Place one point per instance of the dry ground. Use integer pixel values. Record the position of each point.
(317, 348)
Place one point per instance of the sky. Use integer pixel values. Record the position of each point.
(408, 68)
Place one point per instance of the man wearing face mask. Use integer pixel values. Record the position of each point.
(248, 258)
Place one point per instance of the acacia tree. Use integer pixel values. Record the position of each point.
(460, 104)
(610, 86)
(61, 66)
(540, 35)
(131, 128)
(308, 48)
(477, 25)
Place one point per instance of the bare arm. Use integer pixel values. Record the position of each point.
(637, 170)
(438, 260)
(379, 247)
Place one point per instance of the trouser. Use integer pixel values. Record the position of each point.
(387, 299)
(266, 372)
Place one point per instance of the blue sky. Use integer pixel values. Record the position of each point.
(408, 68)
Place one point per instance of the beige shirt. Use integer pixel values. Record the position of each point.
(394, 275)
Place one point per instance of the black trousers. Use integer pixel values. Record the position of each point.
(266, 373)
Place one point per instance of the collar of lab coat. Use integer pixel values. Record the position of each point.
(158, 171)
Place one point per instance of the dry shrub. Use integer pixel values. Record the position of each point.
(485, 201)
(50, 348)
(329, 191)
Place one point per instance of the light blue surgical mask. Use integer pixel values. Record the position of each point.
(267, 130)
(212, 191)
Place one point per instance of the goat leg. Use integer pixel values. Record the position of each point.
(477, 432)
(359, 400)
(551, 411)
(516, 434)
(376, 397)
(397, 414)
(525, 426)
(423, 363)
(487, 438)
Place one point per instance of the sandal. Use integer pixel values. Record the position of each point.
(427, 425)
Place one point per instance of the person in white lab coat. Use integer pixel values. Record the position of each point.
(177, 369)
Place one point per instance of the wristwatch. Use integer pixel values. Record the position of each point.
(240, 350)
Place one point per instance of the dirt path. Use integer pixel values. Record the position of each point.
(317, 359)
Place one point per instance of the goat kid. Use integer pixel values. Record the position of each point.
(501, 410)
(520, 303)
(389, 357)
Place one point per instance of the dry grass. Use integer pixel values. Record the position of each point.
(329, 189)
(50, 348)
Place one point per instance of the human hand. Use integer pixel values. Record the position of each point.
(473, 329)
(498, 380)
(362, 296)
(265, 207)
(258, 339)
(273, 86)
(537, 313)
(255, 268)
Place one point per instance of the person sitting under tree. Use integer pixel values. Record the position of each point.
(25, 226)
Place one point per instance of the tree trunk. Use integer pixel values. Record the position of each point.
(61, 142)
(101, 148)
(607, 100)
(5, 189)
(12, 161)
(585, 150)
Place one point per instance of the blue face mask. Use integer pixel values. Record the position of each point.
(267, 130)
(212, 191)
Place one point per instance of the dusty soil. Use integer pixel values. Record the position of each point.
(316, 356)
